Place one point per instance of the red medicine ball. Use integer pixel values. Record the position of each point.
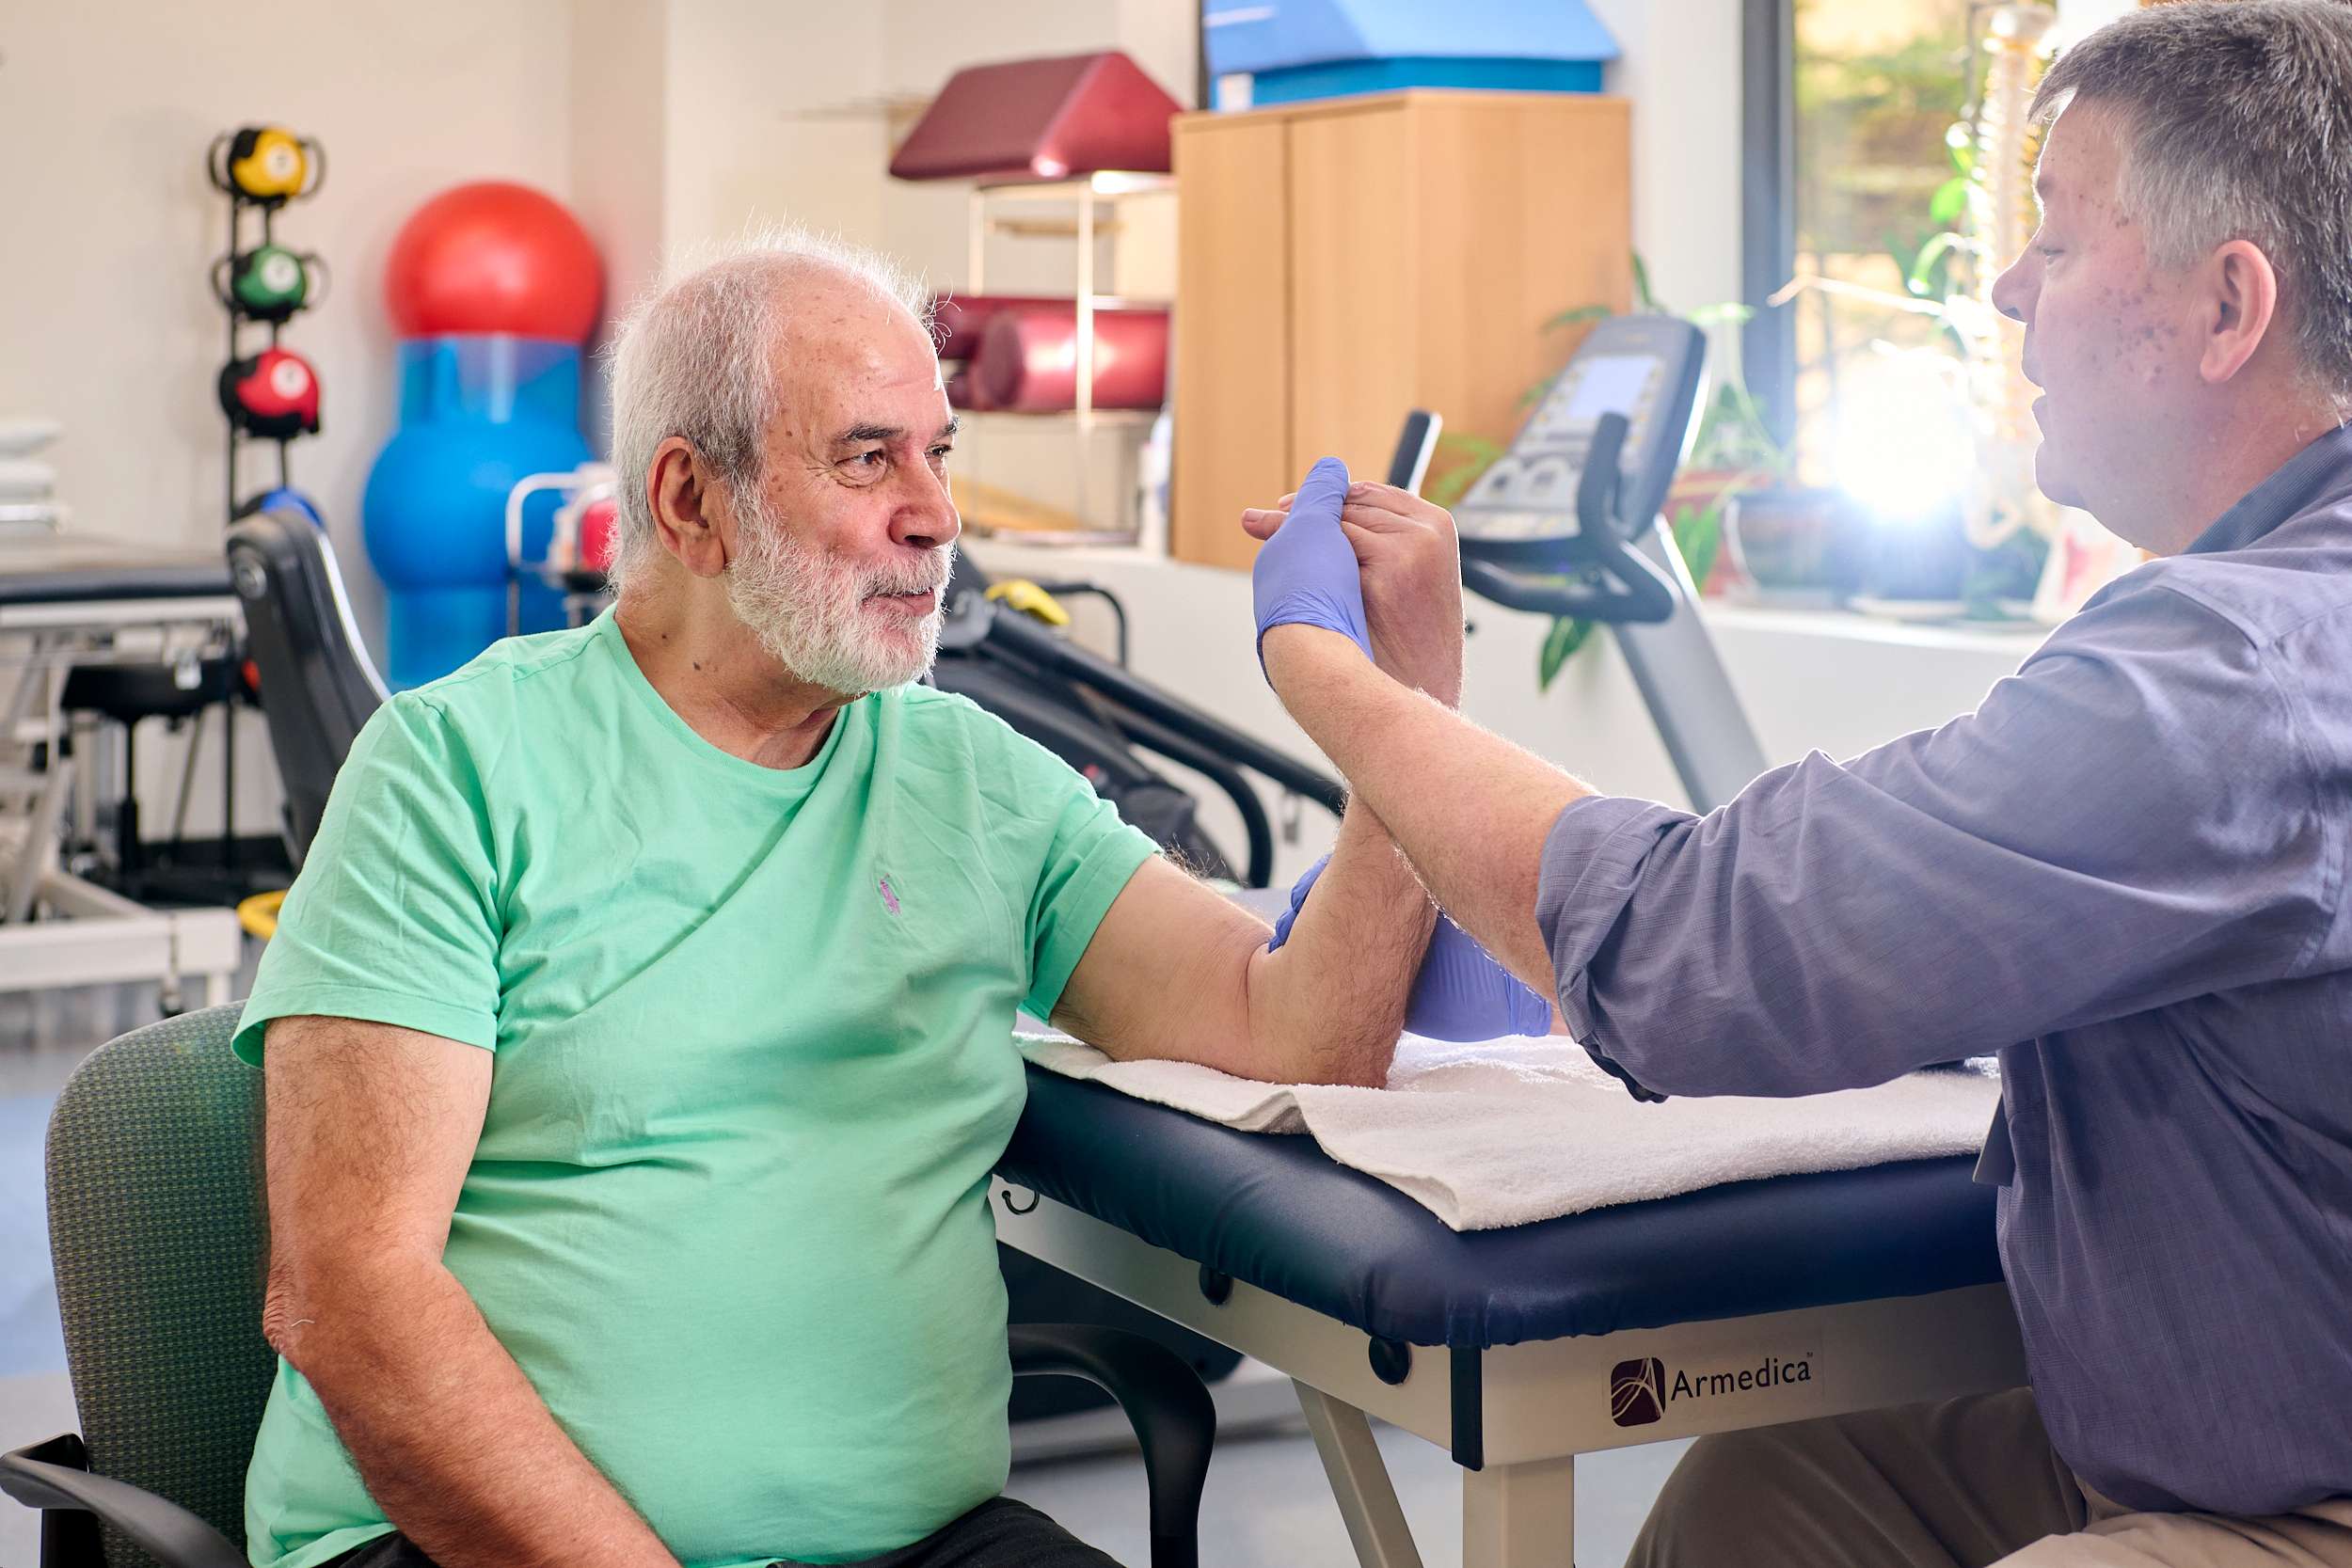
(600, 532)
(493, 257)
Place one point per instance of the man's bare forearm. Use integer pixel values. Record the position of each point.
(1331, 999)
(1470, 809)
(448, 1434)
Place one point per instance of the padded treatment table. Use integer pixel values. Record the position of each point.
(1734, 1306)
(85, 572)
(68, 601)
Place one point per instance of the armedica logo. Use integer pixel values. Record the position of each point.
(1640, 1391)
(1637, 1392)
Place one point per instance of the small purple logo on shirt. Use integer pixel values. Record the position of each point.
(890, 899)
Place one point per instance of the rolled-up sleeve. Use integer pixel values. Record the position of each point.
(2129, 821)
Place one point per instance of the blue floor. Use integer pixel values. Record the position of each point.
(29, 1340)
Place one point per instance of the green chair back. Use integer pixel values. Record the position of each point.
(159, 1233)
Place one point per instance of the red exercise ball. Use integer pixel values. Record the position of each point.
(493, 257)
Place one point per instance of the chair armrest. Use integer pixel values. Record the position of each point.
(1164, 1402)
(54, 1474)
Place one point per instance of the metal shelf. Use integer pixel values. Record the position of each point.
(1090, 193)
(1103, 186)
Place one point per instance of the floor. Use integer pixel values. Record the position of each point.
(1266, 1505)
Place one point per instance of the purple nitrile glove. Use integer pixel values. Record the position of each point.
(1306, 574)
(1461, 993)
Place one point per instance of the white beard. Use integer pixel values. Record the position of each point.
(806, 608)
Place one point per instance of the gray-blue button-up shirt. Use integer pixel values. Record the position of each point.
(2124, 873)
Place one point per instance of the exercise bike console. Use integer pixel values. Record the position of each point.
(1581, 484)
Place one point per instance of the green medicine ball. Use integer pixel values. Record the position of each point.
(270, 282)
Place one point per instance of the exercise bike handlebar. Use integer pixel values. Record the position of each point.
(1415, 445)
(1595, 499)
(1641, 590)
(1645, 594)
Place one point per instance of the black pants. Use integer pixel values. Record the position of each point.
(1000, 1534)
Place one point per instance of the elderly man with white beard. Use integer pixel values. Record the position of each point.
(639, 1032)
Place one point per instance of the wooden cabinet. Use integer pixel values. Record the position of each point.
(1340, 263)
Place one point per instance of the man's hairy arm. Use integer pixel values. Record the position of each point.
(1472, 811)
(1177, 973)
(371, 1130)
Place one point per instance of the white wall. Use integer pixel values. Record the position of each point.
(773, 113)
(106, 317)
(620, 96)
(1680, 68)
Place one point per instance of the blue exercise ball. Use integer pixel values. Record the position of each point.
(477, 414)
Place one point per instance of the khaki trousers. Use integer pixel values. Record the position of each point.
(1963, 1484)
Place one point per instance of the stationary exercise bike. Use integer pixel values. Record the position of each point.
(1565, 523)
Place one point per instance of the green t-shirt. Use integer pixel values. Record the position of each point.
(754, 1064)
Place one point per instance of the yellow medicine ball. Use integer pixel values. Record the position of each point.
(267, 161)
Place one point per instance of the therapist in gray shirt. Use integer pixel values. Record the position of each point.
(2125, 872)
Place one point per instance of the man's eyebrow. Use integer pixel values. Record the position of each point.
(858, 434)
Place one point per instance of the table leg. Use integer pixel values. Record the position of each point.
(1519, 1515)
(1360, 1481)
(39, 851)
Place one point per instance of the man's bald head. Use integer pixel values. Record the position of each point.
(710, 353)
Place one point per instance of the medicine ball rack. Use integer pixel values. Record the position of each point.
(273, 395)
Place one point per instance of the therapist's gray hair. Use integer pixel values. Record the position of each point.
(696, 356)
(2236, 118)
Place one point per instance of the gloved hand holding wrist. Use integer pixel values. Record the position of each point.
(1461, 993)
(1307, 573)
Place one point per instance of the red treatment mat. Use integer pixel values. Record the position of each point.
(1041, 120)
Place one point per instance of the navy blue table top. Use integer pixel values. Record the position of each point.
(1275, 1212)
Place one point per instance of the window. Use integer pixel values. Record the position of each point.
(1885, 374)
(1879, 87)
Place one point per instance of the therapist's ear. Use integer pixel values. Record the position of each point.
(691, 509)
(2241, 303)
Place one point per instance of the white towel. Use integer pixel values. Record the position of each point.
(1511, 1130)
